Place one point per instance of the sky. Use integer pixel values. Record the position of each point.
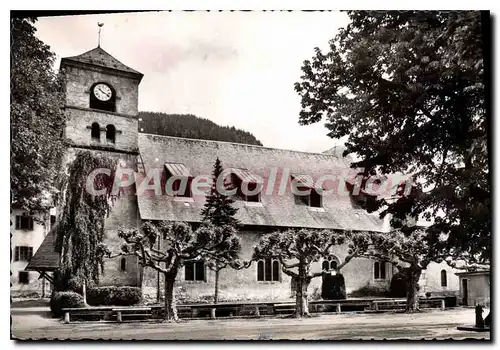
(234, 68)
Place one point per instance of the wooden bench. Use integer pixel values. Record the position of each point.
(85, 312)
(440, 303)
(140, 312)
(387, 302)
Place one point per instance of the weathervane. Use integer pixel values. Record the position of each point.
(99, 24)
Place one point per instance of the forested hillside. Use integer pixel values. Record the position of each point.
(190, 126)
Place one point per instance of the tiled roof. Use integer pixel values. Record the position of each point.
(45, 258)
(274, 210)
(99, 57)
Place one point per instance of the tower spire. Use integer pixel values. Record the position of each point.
(99, 24)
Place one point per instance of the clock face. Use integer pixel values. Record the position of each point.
(102, 92)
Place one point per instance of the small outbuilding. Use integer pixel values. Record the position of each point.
(475, 287)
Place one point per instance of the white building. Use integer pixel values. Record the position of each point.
(27, 234)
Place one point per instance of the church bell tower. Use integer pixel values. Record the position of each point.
(101, 102)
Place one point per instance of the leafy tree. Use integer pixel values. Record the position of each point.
(297, 249)
(182, 245)
(219, 212)
(80, 231)
(37, 120)
(411, 252)
(192, 127)
(408, 90)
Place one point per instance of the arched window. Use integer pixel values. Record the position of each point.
(123, 264)
(110, 133)
(95, 132)
(260, 270)
(330, 263)
(276, 271)
(444, 279)
(376, 270)
(268, 270)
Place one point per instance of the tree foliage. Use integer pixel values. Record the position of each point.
(408, 89)
(80, 231)
(219, 212)
(218, 208)
(37, 118)
(192, 127)
(182, 244)
(297, 249)
(411, 252)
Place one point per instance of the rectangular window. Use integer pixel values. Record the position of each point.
(194, 271)
(23, 253)
(24, 277)
(379, 270)
(24, 222)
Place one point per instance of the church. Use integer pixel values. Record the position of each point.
(102, 116)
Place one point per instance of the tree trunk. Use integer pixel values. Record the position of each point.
(414, 273)
(301, 303)
(84, 292)
(216, 294)
(170, 307)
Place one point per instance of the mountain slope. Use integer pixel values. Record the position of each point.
(192, 127)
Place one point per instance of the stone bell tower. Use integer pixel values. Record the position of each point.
(101, 102)
(102, 117)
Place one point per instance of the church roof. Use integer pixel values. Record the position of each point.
(274, 209)
(99, 57)
(45, 258)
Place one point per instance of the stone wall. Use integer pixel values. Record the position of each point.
(80, 80)
(243, 284)
(78, 129)
(430, 280)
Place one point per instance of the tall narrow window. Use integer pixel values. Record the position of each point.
(123, 265)
(260, 271)
(110, 133)
(268, 270)
(379, 270)
(276, 271)
(382, 270)
(444, 278)
(376, 270)
(95, 132)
